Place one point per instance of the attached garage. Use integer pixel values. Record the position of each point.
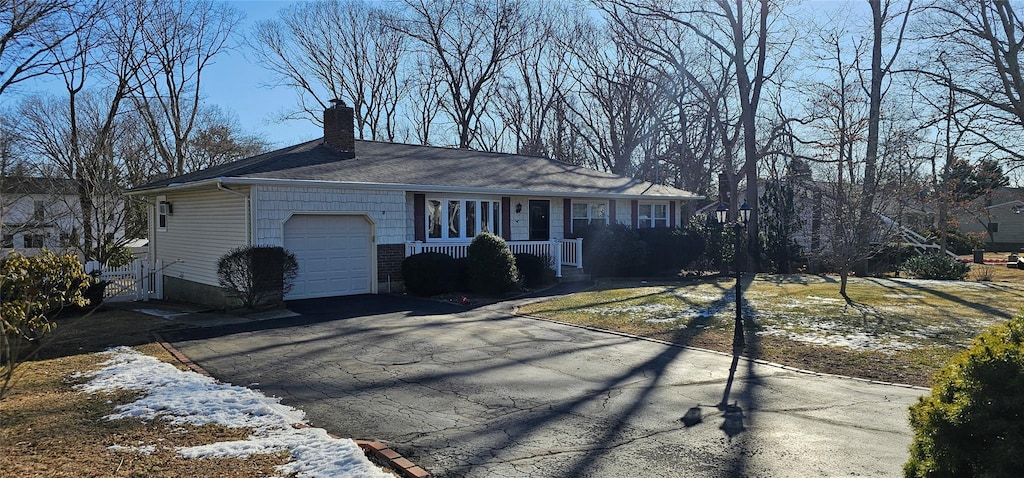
(334, 252)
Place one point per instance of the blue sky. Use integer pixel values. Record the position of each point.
(239, 86)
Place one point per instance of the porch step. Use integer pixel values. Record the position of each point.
(573, 274)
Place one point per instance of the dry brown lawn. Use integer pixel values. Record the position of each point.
(51, 429)
(48, 428)
(893, 330)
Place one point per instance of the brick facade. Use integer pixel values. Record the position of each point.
(389, 262)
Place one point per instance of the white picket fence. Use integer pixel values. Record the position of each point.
(140, 280)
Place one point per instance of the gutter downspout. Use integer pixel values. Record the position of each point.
(248, 206)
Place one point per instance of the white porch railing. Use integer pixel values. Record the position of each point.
(140, 280)
(559, 252)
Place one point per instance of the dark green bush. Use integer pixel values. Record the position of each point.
(492, 268)
(462, 274)
(430, 273)
(972, 423)
(933, 266)
(534, 270)
(613, 250)
(257, 275)
(669, 249)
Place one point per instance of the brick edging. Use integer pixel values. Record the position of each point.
(371, 448)
(396, 462)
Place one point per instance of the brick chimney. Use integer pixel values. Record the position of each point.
(339, 129)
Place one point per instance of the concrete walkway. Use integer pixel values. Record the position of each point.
(484, 393)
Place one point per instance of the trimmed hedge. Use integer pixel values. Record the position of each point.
(613, 250)
(492, 268)
(534, 270)
(430, 273)
(616, 250)
(933, 266)
(669, 249)
(972, 423)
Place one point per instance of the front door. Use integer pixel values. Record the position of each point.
(540, 220)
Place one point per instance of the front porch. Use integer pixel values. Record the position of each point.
(560, 252)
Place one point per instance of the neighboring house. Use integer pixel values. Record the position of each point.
(351, 210)
(998, 219)
(41, 213)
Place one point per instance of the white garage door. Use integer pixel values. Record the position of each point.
(333, 253)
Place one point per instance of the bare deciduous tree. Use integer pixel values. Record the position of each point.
(181, 39)
(338, 49)
(616, 90)
(986, 39)
(743, 34)
(34, 33)
(469, 43)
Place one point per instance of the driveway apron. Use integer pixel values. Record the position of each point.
(484, 393)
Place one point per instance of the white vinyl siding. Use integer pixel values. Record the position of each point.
(203, 227)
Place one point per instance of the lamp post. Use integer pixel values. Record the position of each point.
(722, 217)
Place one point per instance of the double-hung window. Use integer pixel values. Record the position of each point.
(452, 219)
(163, 209)
(584, 213)
(652, 215)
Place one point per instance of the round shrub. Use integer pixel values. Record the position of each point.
(534, 270)
(492, 268)
(429, 273)
(932, 266)
(257, 275)
(972, 424)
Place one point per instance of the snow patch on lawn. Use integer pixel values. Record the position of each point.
(189, 398)
(832, 334)
(145, 449)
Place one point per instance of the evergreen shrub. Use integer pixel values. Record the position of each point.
(492, 267)
(430, 273)
(972, 423)
(534, 270)
(257, 275)
(933, 266)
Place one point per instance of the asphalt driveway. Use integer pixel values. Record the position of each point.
(483, 393)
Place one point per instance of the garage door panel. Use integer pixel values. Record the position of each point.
(334, 255)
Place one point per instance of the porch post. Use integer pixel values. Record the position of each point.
(579, 252)
(556, 251)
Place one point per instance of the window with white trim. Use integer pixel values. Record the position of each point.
(162, 210)
(452, 219)
(585, 213)
(652, 215)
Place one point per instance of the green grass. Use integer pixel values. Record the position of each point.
(892, 330)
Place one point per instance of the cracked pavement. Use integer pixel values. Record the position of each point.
(484, 393)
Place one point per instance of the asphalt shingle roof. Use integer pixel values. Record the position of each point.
(392, 163)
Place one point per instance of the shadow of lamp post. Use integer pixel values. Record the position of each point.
(722, 217)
